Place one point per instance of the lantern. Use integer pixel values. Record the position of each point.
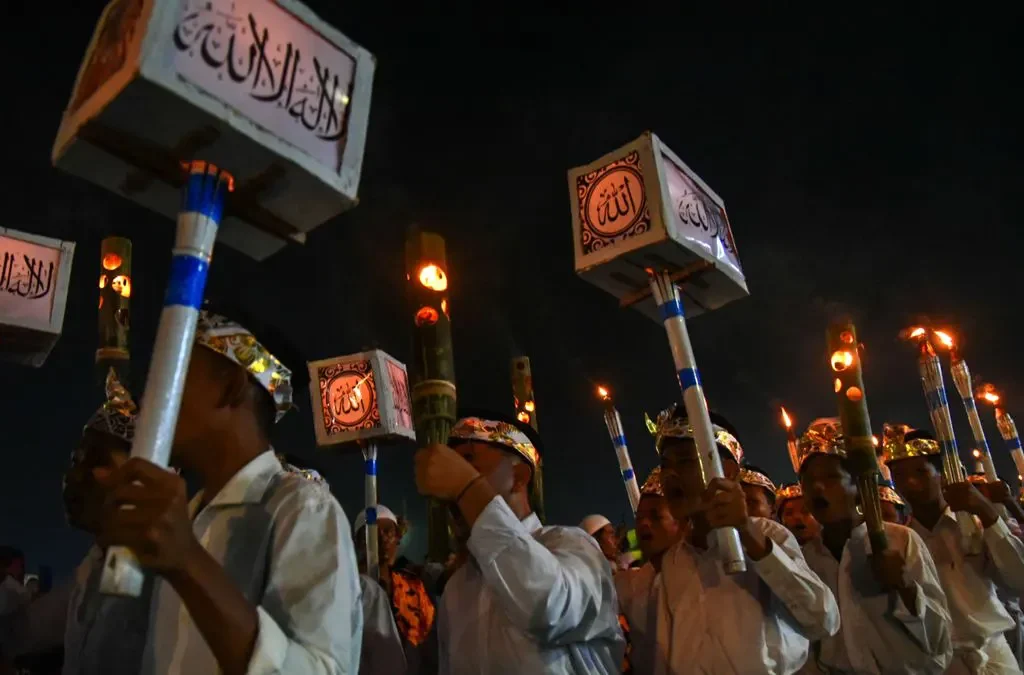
(115, 287)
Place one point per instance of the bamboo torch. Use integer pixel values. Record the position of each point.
(666, 296)
(526, 412)
(1007, 427)
(115, 285)
(791, 442)
(206, 188)
(853, 412)
(432, 368)
(938, 408)
(614, 423)
(962, 379)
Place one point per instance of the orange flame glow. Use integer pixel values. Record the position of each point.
(433, 277)
(529, 406)
(874, 440)
(945, 339)
(523, 417)
(976, 453)
(841, 360)
(786, 420)
(917, 332)
(987, 393)
(111, 261)
(604, 394)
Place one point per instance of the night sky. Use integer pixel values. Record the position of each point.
(871, 168)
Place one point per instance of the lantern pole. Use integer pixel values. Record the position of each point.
(432, 368)
(115, 287)
(370, 500)
(526, 412)
(204, 193)
(666, 295)
(853, 413)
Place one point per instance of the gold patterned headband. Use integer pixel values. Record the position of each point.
(671, 426)
(824, 436)
(791, 491)
(895, 446)
(497, 433)
(758, 479)
(234, 342)
(652, 486)
(118, 413)
(888, 494)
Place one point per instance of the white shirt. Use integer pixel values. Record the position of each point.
(383, 652)
(879, 633)
(285, 541)
(760, 621)
(530, 599)
(639, 591)
(969, 580)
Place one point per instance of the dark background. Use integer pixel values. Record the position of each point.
(871, 166)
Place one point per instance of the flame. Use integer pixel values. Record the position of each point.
(874, 440)
(433, 277)
(841, 360)
(945, 339)
(111, 261)
(976, 453)
(426, 315)
(604, 394)
(987, 392)
(523, 417)
(917, 332)
(530, 406)
(786, 419)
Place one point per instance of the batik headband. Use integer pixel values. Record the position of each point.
(791, 491)
(652, 486)
(118, 413)
(758, 479)
(497, 433)
(888, 494)
(234, 342)
(671, 426)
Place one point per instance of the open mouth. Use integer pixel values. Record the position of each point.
(819, 503)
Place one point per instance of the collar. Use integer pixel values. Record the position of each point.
(247, 486)
(531, 523)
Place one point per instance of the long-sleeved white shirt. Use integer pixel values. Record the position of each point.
(639, 591)
(760, 621)
(530, 599)
(285, 542)
(969, 581)
(879, 633)
(383, 652)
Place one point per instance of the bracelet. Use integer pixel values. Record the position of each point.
(466, 489)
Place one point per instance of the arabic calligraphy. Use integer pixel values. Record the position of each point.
(350, 398)
(696, 210)
(614, 202)
(400, 392)
(260, 59)
(26, 276)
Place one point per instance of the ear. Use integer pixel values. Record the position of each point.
(521, 476)
(236, 387)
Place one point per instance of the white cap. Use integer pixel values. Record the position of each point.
(593, 523)
(383, 513)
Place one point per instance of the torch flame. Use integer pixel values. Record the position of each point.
(786, 420)
(433, 277)
(945, 339)
(874, 440)
(987, 392)
(917, 332)
(603, 393)
(976, 453)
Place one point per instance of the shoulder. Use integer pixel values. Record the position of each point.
(298, 504)
(556, 536)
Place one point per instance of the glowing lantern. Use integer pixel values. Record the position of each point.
(115, 288)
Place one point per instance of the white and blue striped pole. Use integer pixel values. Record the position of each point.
(370, 490)
(614, 423)
(962, 379)
(1008, 430)
(666, 295)
(938, 408)
(203, 198)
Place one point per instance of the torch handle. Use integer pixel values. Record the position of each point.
(962, 380)
(198, 221)
(614, 424)
(370, 490)
(666, 294)
(867, 486)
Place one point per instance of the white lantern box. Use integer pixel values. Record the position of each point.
(641, 207)
(360, 397)
(34, 276)
(265, 90)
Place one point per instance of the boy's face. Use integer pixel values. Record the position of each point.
(829, 489)
(917, 480)
(892, 513)
(798, 520)
(681, 476)
(83, 496)
(608, 540)
(759, 505)
(656, 527)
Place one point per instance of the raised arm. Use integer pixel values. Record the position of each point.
(560, 591)
(792, 583)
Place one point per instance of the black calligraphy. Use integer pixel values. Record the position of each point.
(274, 73)
(615, 201)
(698, 211)
(25, 276)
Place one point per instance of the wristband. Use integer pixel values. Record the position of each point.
(466, 489)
